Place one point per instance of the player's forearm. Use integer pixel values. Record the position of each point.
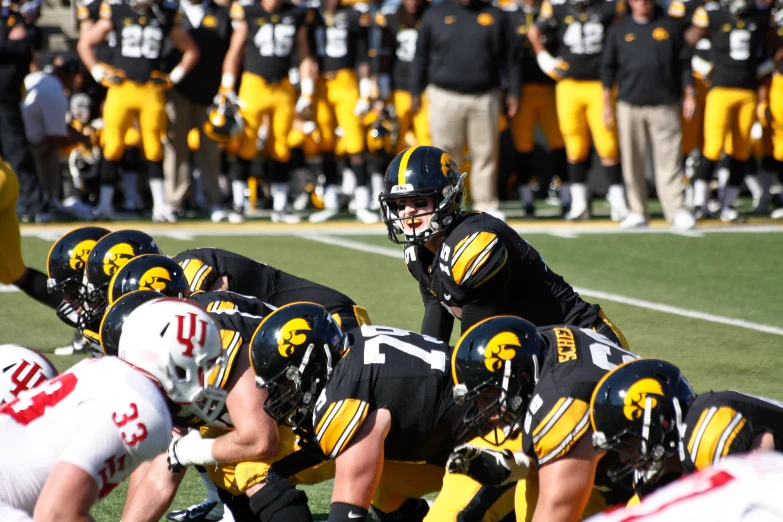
(153, 492)
(236, 446)
(189, 59)
(534, 37)
(86, 54)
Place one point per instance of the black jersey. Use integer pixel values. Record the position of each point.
(89, 11)
(271, 39)
(401, 31)
(738, 43)
(520, 20)
(724, 423)
(558, 414)
(140, 36)
(247, 311)
(203, 266)
(404, 372)
(580, 33)
(480, 247)
(682, 11)
(341, 39)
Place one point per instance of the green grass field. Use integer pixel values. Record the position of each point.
(731, 274)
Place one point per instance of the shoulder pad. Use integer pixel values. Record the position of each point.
(713, 433)
(552, 427)
(475, 257)
(337, 423)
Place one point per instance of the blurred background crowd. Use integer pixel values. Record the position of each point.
(293, 111)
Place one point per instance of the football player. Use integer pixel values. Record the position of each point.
(581, 26)
(268, 34)
(470, 265)
(776, 104)
(342, 97)
(21, 369)
(744, 488)
(235, 452)
(12, 268)
(739, 31)
(136, 86)
(646, 412)
(148, 272)
(216, 269)
(375, 400)
(399, 32)
(537, 106)
(513, 371)
(94, 439)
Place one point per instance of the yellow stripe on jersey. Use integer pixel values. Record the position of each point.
(677, 9)
(339, 425)
(700, 18)
(82, 14)
(196, 272)
(231, 342)
(495, 271)
(472, 255)
(404, 165)
(713, 434)
(564, 425)
(546, 10)
(237, 12)
(105, 11)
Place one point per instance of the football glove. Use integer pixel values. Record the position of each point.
(362, 107)
(555, 68)
(161, 80)
(189, 450)
(227, 97)
(701, 68)
(304, 104)
(488, 467)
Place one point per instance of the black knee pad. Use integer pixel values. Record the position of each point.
(412, 510)
(360, 171)
(329, 167)
(614, 174)
(705, 169)
(277, 172)
(524, 167)
(560, 163)
(577, 172)
(280, 501)
(155, 169)
(110, 172)
(737, 171)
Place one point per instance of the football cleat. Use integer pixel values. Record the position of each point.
(205, 511)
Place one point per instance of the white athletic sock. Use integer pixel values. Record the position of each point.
(701, 191)
(238, 192)
(578, 198)
(362, 197)
(279, 196)
(332, 198)
(158, 199)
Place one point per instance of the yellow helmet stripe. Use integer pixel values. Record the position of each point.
(404, 165)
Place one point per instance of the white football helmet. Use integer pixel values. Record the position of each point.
(21, 369)
(176, 342)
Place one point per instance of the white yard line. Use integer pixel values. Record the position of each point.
(606, 296)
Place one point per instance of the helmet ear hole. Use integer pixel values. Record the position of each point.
(181, 373)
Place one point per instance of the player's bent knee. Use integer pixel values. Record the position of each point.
(280, 501)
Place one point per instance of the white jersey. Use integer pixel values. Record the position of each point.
(102, 415)
(742, 488)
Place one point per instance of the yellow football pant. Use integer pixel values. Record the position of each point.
(728, 110)
(407, 120)
(262, 98)
(11, 264)
(357, 317)
(693, 130)
(538, 106)
(776, 108)
(526, 498)
(336, 95)
(580, 106)
(124, 104)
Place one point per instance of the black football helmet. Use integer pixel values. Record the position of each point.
(149, 272)
(65, 265)
(224, 121)
(293, 352)
(108, 256)
(114, 318)
(382, 135)
(497, 363)
(637, 411)
(426, 172)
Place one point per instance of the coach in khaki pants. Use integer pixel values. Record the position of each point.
(461, 48)
(647, 57)
(209, 25)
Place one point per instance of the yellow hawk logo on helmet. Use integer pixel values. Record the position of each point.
(116, 257)
(500, 349)
(636, 397)
(290, 335)
(156, 278)
(448, 165)
(80, 253)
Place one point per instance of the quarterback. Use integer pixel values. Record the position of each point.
(68, 443)
(470, 265)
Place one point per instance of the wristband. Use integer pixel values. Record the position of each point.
(546, 62)
(307, 86)
(227, 81)
(98, 72)
(365, 88)
(177, 74)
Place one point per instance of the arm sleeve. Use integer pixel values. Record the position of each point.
(608, 70)
(362, 45)
(16, 48)
(513, 65)
(437, 322)
(684, 54)
(490, 301)
(422, 59)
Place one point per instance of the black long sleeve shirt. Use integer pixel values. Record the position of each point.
(463, 49)
(15, 56)
(650, 62)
